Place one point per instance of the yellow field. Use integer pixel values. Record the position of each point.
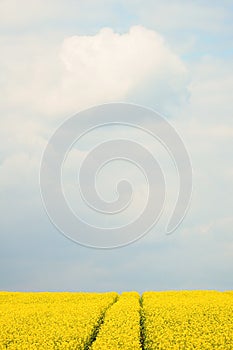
(50, 320)
(158, 320)
(188, 320)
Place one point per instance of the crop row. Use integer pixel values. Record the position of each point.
(121, 327)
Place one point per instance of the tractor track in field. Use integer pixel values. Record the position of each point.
(142, 325)
(97, 327)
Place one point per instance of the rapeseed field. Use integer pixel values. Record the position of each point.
(181, 320)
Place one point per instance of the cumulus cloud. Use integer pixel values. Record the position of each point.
(87, 70)
(109, 66)
(43, 83)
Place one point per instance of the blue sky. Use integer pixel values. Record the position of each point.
(48, 74)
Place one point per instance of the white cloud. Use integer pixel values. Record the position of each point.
(87, 70)
(110, 66)
(42, 82)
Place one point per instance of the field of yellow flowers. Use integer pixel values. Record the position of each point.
(51, 320)
(180, 320)
(188, 320)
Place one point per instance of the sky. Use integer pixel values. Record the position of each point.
(61, 57)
